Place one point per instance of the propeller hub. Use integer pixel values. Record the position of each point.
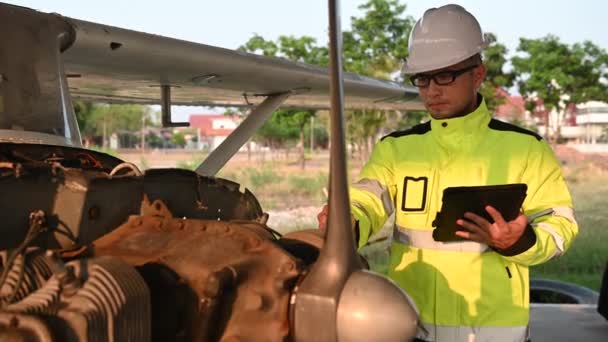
(373, 308)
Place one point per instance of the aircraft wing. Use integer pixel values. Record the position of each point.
(116, 65)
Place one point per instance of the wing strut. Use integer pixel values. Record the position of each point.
(256, 119)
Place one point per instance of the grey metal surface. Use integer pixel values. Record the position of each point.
(256, 119)
(32, 137)
(567, 322)
(118, 65)
(34, 94)
(374, 309)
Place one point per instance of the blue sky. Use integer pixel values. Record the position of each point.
(230, 23)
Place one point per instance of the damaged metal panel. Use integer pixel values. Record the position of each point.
(190, 195)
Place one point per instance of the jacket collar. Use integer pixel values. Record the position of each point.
(461, 131)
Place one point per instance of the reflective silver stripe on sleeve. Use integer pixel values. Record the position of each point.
(424, 239)
(566, 212)
(381, 192)
(469, 334)
(541, 213)
(558, 239)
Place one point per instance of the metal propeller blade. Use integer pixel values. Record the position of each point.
(337, 300)
(318, 294)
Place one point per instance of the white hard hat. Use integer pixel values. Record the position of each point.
(443, 36)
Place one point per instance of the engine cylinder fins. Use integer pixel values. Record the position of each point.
(42, 301)
(113, 299)
(107, 301)
(18, 327)
(28, 272)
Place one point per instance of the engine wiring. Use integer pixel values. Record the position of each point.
(36, 227)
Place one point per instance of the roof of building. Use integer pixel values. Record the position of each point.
(513, 106)
(205, 123)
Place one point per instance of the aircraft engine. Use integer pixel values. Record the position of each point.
(93, 249)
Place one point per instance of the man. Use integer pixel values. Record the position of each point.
(476, 289)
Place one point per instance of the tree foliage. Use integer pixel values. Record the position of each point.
(558, 75)
(287, 124)
(377, 44)
(495, 59)
(101, 120)
(178, 139)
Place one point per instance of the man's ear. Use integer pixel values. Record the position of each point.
(479, 74)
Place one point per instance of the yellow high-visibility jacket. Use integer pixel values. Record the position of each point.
(464, 291)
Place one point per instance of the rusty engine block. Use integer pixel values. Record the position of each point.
(95, 250)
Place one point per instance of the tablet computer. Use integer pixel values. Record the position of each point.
(506, 198)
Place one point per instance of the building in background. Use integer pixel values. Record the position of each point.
(592, 122)
(212, 129)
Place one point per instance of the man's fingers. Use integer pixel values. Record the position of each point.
(473, 231)
(469, 236)
(477, 220)
(496, 215)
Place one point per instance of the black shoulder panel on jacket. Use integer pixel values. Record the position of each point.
(504, 126)
(418, 129)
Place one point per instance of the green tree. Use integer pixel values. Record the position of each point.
(495, 58)
(278, 130)
(285, 122)
(376, 46)
(178, 139)
(102, 119)
(559, 75)
(258, 45)
(303, 49)
(82, 110)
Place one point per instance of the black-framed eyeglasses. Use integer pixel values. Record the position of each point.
(440, 78)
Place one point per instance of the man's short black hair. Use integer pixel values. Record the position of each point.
(475, 59)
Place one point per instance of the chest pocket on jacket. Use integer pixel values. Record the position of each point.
(416, 189)
(416, 197)
(415, 193)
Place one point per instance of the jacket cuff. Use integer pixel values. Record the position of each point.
(525, 242)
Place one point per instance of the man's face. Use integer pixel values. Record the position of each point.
(457, 98)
